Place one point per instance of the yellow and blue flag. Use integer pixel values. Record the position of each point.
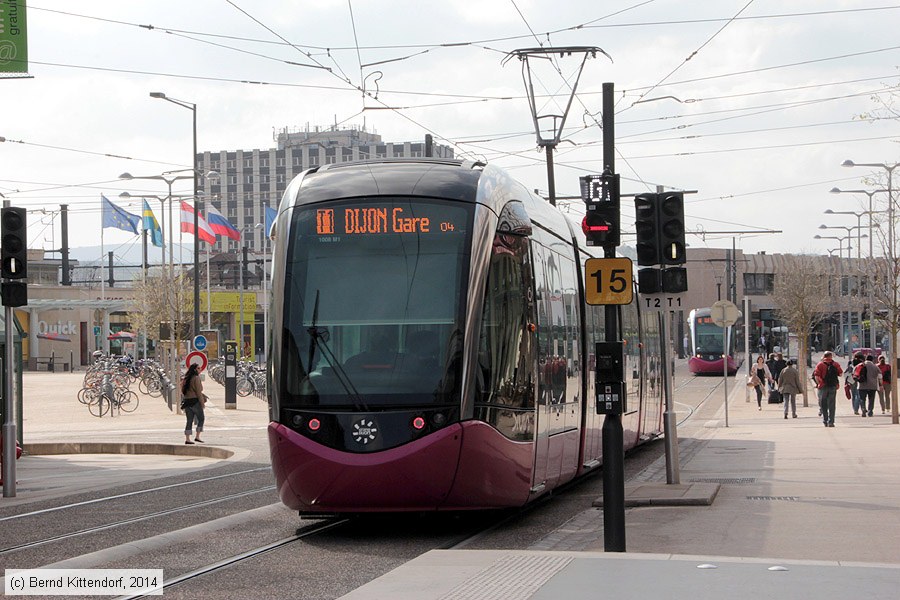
(113, 216)
(152, 225)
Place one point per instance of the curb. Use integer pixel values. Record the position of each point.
(49, 448)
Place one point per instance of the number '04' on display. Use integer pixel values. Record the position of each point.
(608, 281)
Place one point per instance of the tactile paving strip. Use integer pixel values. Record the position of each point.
(511, 577)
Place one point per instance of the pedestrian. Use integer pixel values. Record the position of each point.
(868, 377)
(760, 376)
(687, 346)
(192, 402)
(762, 343)
(850, 381)
(777, 365)
(884, 392)
(789, 386)
(828, 379)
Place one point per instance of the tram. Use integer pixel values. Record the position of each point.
(706, 344)
(431, 348)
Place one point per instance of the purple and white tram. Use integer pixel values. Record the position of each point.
(430, 346)
(709, 349)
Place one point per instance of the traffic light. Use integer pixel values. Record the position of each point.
(601, 223)
(13, 243)
(645, 224)
(601, 226)
(649, 281)
(670, 230)
(674, 280)
(14, 293)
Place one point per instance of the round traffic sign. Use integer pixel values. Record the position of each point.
(197, 358)
(724, 313)
(200, 342)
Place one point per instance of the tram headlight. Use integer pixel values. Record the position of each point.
(418, 423)
(297, 420)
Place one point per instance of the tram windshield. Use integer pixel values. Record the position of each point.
(707, 336)
(373, 303)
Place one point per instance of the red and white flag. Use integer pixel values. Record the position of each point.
(187, 224)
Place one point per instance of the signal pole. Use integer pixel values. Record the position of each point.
(613, 437)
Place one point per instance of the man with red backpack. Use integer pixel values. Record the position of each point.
(868, 377)
(828, 378)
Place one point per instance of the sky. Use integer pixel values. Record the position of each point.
(750, 107)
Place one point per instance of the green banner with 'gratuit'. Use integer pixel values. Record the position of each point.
(13, 39)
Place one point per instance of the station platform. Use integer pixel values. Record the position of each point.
(765, 508)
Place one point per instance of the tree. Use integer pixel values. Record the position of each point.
(801, 299)
(155, 298)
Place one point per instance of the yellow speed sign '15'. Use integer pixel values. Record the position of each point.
(608, 281)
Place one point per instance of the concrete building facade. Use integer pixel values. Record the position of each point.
(251, 180)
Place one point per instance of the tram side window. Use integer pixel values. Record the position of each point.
(506, 352)
(632, 336)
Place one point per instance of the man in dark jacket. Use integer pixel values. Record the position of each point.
(828, 379)
(778, 364)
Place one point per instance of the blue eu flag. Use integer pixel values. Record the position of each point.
(113, 216)
(271, 214)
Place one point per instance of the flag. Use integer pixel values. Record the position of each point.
(271, 213)
(152, 225)
(220, 225)
(113, 216)
(187, 224)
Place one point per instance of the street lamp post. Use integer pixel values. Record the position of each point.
(170, 179)
(895, 414)
(840, 241)
(869, 266)
(193, 108)
(859, 237)
(265, 241)
(871, 307)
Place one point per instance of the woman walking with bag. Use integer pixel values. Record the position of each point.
(759, 377)
(192, 402)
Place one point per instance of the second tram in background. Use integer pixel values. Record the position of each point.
(706, 344)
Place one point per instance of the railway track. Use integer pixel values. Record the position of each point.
(225, 563)
(128, 494)
(132, 520)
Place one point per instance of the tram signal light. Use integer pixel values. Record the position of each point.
(649, 281)
(13, 243)
(659, 223)
(671, 228)
(601, 228)
(601, 223)
(674, 280)
(645, 224)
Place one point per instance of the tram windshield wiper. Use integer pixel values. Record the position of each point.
(318, 338)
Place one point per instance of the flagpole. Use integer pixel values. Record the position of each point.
(102, 252)
(208, 317)
(102, 255)
(144, 281)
